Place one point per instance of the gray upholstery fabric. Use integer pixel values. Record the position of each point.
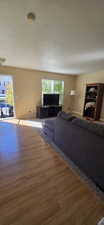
(83, 147)
(48, 127)
(49, 123)
(66, 116)
(48, 132)
(98, 129)
(83, 143)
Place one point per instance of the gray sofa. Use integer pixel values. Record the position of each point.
(82, 142)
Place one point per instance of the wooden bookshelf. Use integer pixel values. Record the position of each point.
(93, 101)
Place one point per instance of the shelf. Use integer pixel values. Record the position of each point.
(88, 98)
(96, 99)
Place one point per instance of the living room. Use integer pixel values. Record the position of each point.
(52, 163)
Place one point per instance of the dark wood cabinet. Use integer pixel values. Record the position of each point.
(47, 111)
(93, 100)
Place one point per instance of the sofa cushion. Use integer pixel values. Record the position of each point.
(66, 116)
(48, 132)
(98, 129)
(49, 123)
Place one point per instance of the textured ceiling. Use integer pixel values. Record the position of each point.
(67, 36)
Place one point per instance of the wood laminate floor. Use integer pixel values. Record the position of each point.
(37, 187)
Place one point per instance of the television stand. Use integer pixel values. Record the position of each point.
(47, 111)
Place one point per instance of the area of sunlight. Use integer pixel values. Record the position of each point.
(21, 122)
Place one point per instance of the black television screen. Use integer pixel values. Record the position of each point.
(51, 99)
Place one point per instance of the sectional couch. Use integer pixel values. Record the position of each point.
(81, 141)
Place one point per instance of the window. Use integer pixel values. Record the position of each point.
(53, 87)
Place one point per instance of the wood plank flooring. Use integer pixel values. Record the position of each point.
(37, 187)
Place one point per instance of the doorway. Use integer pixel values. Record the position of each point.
(6, 97)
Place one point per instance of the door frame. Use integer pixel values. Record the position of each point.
(11, 76)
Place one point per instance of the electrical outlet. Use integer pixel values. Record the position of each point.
(101, 222)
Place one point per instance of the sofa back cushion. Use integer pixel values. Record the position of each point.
(95, 128)
(66, 116)
(84, 148)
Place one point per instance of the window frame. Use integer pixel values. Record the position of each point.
(53, 92)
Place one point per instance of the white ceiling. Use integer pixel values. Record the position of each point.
(67, 36)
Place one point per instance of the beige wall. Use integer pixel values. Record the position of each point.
(81, 82)
(27, 89)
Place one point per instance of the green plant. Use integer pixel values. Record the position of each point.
(9, 94)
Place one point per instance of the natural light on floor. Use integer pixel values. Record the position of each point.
(36, 124)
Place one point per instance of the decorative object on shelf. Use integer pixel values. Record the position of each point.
(93, 101)
(101, 222)
(89, 104)
(93, 90)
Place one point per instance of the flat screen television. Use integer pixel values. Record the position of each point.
(50, 99)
